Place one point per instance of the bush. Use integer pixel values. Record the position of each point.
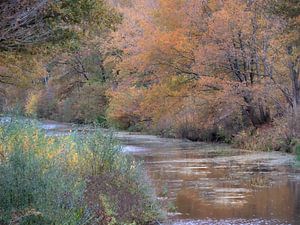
(123, 111)
(116, 180)
(69, 180)
(31, 105)
(275, 136)
(33, 180)
(298, 152)
(85, 105)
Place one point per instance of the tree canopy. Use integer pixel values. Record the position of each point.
(213, 70)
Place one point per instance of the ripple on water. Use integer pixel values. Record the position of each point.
(132, 149)
(228, 222)
(214, 181)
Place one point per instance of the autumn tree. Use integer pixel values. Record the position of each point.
(33, 32)
(29, 23)
(289, 13)
(224, 56)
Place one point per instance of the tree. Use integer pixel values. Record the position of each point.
(289, 11)
(232, 43)
(27, 23)
(33, 32)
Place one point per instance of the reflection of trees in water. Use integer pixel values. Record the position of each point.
(203, 188)
(197, 205)
(295, 187)
(276, 202)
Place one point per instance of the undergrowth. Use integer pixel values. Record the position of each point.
(297, 149)
(74, 179)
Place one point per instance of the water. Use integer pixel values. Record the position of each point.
(213, 183)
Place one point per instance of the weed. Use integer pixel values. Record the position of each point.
(58, 180)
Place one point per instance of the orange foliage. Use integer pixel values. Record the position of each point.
(200, 65)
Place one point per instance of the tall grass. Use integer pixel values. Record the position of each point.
(69, 180)
(33, 179)
(297, 148)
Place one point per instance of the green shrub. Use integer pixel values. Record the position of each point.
(117, 179)
(32, 182)
(298, 152)
(69, 180)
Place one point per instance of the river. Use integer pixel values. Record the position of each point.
(213, 183)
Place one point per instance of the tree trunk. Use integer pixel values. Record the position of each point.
(294, 76)
(293, 65)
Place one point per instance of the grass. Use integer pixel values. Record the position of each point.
(69, 180)
(297, 151)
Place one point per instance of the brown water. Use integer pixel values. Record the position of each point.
(215, 184)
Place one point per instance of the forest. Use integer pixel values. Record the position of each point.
(211, 70)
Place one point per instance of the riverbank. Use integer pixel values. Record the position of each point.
(209, 183)
(70, 179)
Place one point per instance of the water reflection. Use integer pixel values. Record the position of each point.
(267, 203)
(214, 184)
(222, 188)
